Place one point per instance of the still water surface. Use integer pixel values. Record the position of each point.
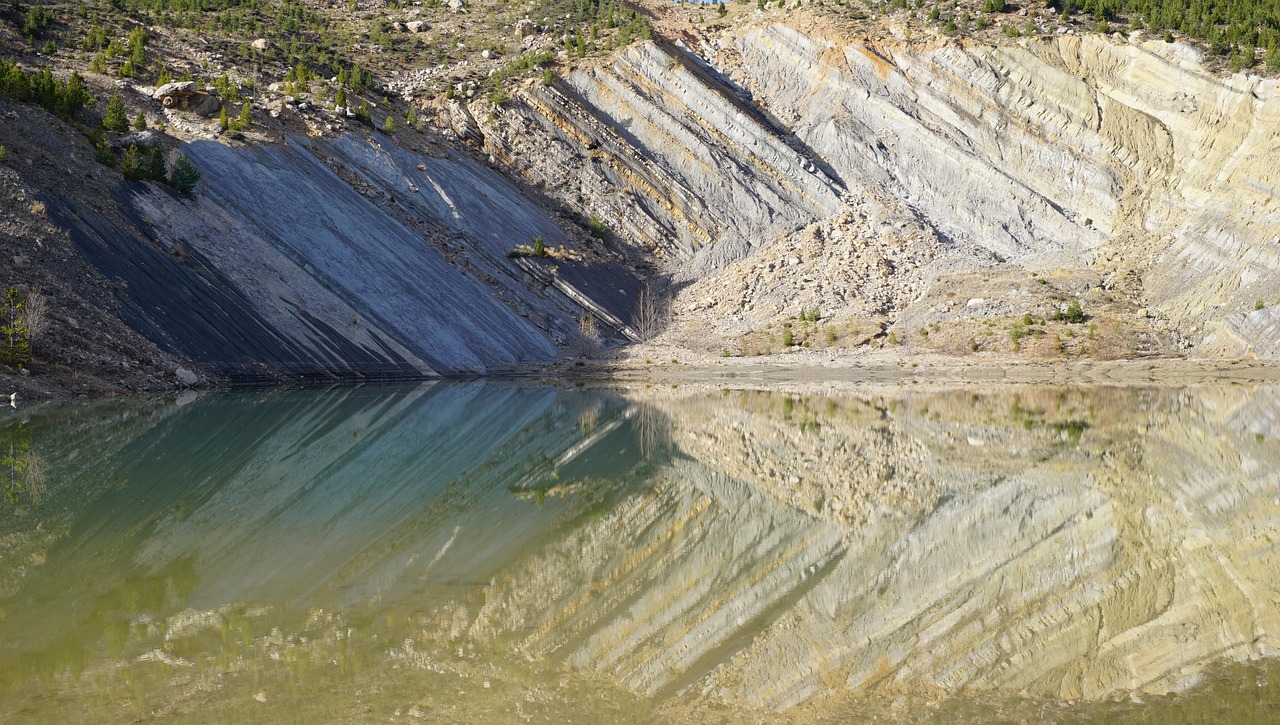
(488, 552)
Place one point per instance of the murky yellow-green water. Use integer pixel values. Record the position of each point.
(489, 552)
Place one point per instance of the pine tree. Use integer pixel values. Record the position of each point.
(184, 176)
(133, 166)
(156, 165)
(246, 115)
(223, 120)
(140, 123)
(74, 96)
(115, 120)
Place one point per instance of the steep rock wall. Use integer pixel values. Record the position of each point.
(1125, 164)
(1127, 156)
(346, 258)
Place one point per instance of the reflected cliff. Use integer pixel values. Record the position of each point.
(492, 551)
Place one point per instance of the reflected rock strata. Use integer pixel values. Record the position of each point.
(760, 549)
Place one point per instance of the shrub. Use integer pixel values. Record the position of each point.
(15, 333)
(539, 247)
(1074, 313)
(597, 227)
(4, 154)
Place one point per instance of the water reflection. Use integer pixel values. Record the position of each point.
(493, 551)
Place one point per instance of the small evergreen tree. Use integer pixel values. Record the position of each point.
(184, 176)
(223, 120)
(340, 98)
(156, 165)
(140, 123)
(103, 154)
(389, 125)
(246, 115)
(115, 119)
(133, 165)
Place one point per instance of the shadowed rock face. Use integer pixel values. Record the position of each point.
(334, 259)
(760, 549)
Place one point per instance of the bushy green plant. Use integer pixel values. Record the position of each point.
(1074, 314)
(596, 227)
(15, 333)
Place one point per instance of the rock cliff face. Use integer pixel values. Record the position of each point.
(340, 258)
(1123, 162)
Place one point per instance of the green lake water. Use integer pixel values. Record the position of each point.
(501, 552)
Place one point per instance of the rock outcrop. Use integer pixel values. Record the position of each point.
(1121, 160)
(345, 258)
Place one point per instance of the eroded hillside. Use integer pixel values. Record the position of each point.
(782, 180)
(939, 188)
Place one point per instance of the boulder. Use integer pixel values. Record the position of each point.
(260, 44)
(526, 28)
(186, 377)
(456, 5)
(206, 104)
(417, 26)
(170, 94)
